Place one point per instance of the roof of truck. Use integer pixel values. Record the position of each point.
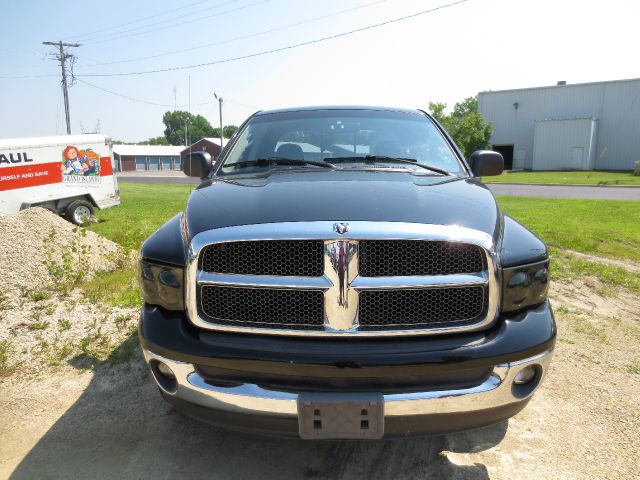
(339, 107)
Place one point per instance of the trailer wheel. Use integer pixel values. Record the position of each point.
(79, 212)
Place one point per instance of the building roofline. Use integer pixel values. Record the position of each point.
(568, 85)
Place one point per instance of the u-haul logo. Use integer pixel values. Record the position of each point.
(12, 158)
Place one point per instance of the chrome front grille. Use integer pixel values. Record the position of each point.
(386, 258)
(298, 258)
(421, 308)
(263, 307)
(377, 278)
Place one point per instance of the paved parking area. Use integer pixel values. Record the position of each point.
(510, 189)
(566, 191)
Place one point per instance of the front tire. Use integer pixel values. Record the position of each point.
(79, 212)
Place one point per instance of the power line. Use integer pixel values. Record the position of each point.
(280, 49)
(63, 57)
(179, 24)
(127, 97)
(27, 76)
(19, 52)
(93, 38)
(156, 104)
(82, 35)
(243, 37)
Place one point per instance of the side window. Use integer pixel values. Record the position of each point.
(242, 147)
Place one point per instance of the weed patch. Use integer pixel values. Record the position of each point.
(118, 288)
(39, 325)
(6, 366)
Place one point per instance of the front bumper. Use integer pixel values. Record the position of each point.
(496, 399)
(518, 341)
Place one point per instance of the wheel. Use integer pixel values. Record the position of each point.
(79, 212)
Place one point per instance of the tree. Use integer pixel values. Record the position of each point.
(228, 131)
(467, 106)
(176, 122)
(154, 141)
(465, 124)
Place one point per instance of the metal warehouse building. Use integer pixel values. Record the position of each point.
(582, 126)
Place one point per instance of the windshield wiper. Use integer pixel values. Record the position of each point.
(374, 158)
(267, 161)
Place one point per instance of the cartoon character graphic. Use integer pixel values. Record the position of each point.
(80, 162)
(71, 164)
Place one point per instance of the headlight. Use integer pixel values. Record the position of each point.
(524, 286)
(162, 285)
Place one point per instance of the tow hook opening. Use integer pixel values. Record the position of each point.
(164, 376)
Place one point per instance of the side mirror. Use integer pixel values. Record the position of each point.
(197, 164)
(485, 163)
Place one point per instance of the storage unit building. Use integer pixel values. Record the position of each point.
(147, 157)
(580, 126)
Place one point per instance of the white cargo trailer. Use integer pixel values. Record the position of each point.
(70, 175)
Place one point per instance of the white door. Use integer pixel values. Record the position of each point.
(577, 154)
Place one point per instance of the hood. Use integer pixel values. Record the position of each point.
(343, 196)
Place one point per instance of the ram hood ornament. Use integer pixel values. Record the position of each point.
(341, 228)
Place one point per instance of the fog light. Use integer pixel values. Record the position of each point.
(164, 376)
(525, 375)
(165, 371)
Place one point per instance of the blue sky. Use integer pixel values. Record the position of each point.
(441, 56)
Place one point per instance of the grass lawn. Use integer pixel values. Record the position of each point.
(607, 228)
(564, 178)
(144, 207)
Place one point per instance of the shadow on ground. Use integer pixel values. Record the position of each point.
(121, 428)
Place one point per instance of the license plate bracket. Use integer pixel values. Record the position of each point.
(341, 415)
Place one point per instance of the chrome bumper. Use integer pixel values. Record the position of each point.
(497, 390)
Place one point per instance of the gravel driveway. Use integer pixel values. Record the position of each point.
(111, 423)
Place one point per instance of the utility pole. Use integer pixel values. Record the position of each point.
(62, 57)
(220, 109)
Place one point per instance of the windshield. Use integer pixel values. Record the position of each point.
(362, 139)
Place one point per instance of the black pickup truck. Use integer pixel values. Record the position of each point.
(341, 272)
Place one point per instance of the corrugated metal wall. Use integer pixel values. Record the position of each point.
(564, 144)
(615, 105)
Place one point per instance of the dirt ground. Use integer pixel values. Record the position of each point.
(110, 422)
